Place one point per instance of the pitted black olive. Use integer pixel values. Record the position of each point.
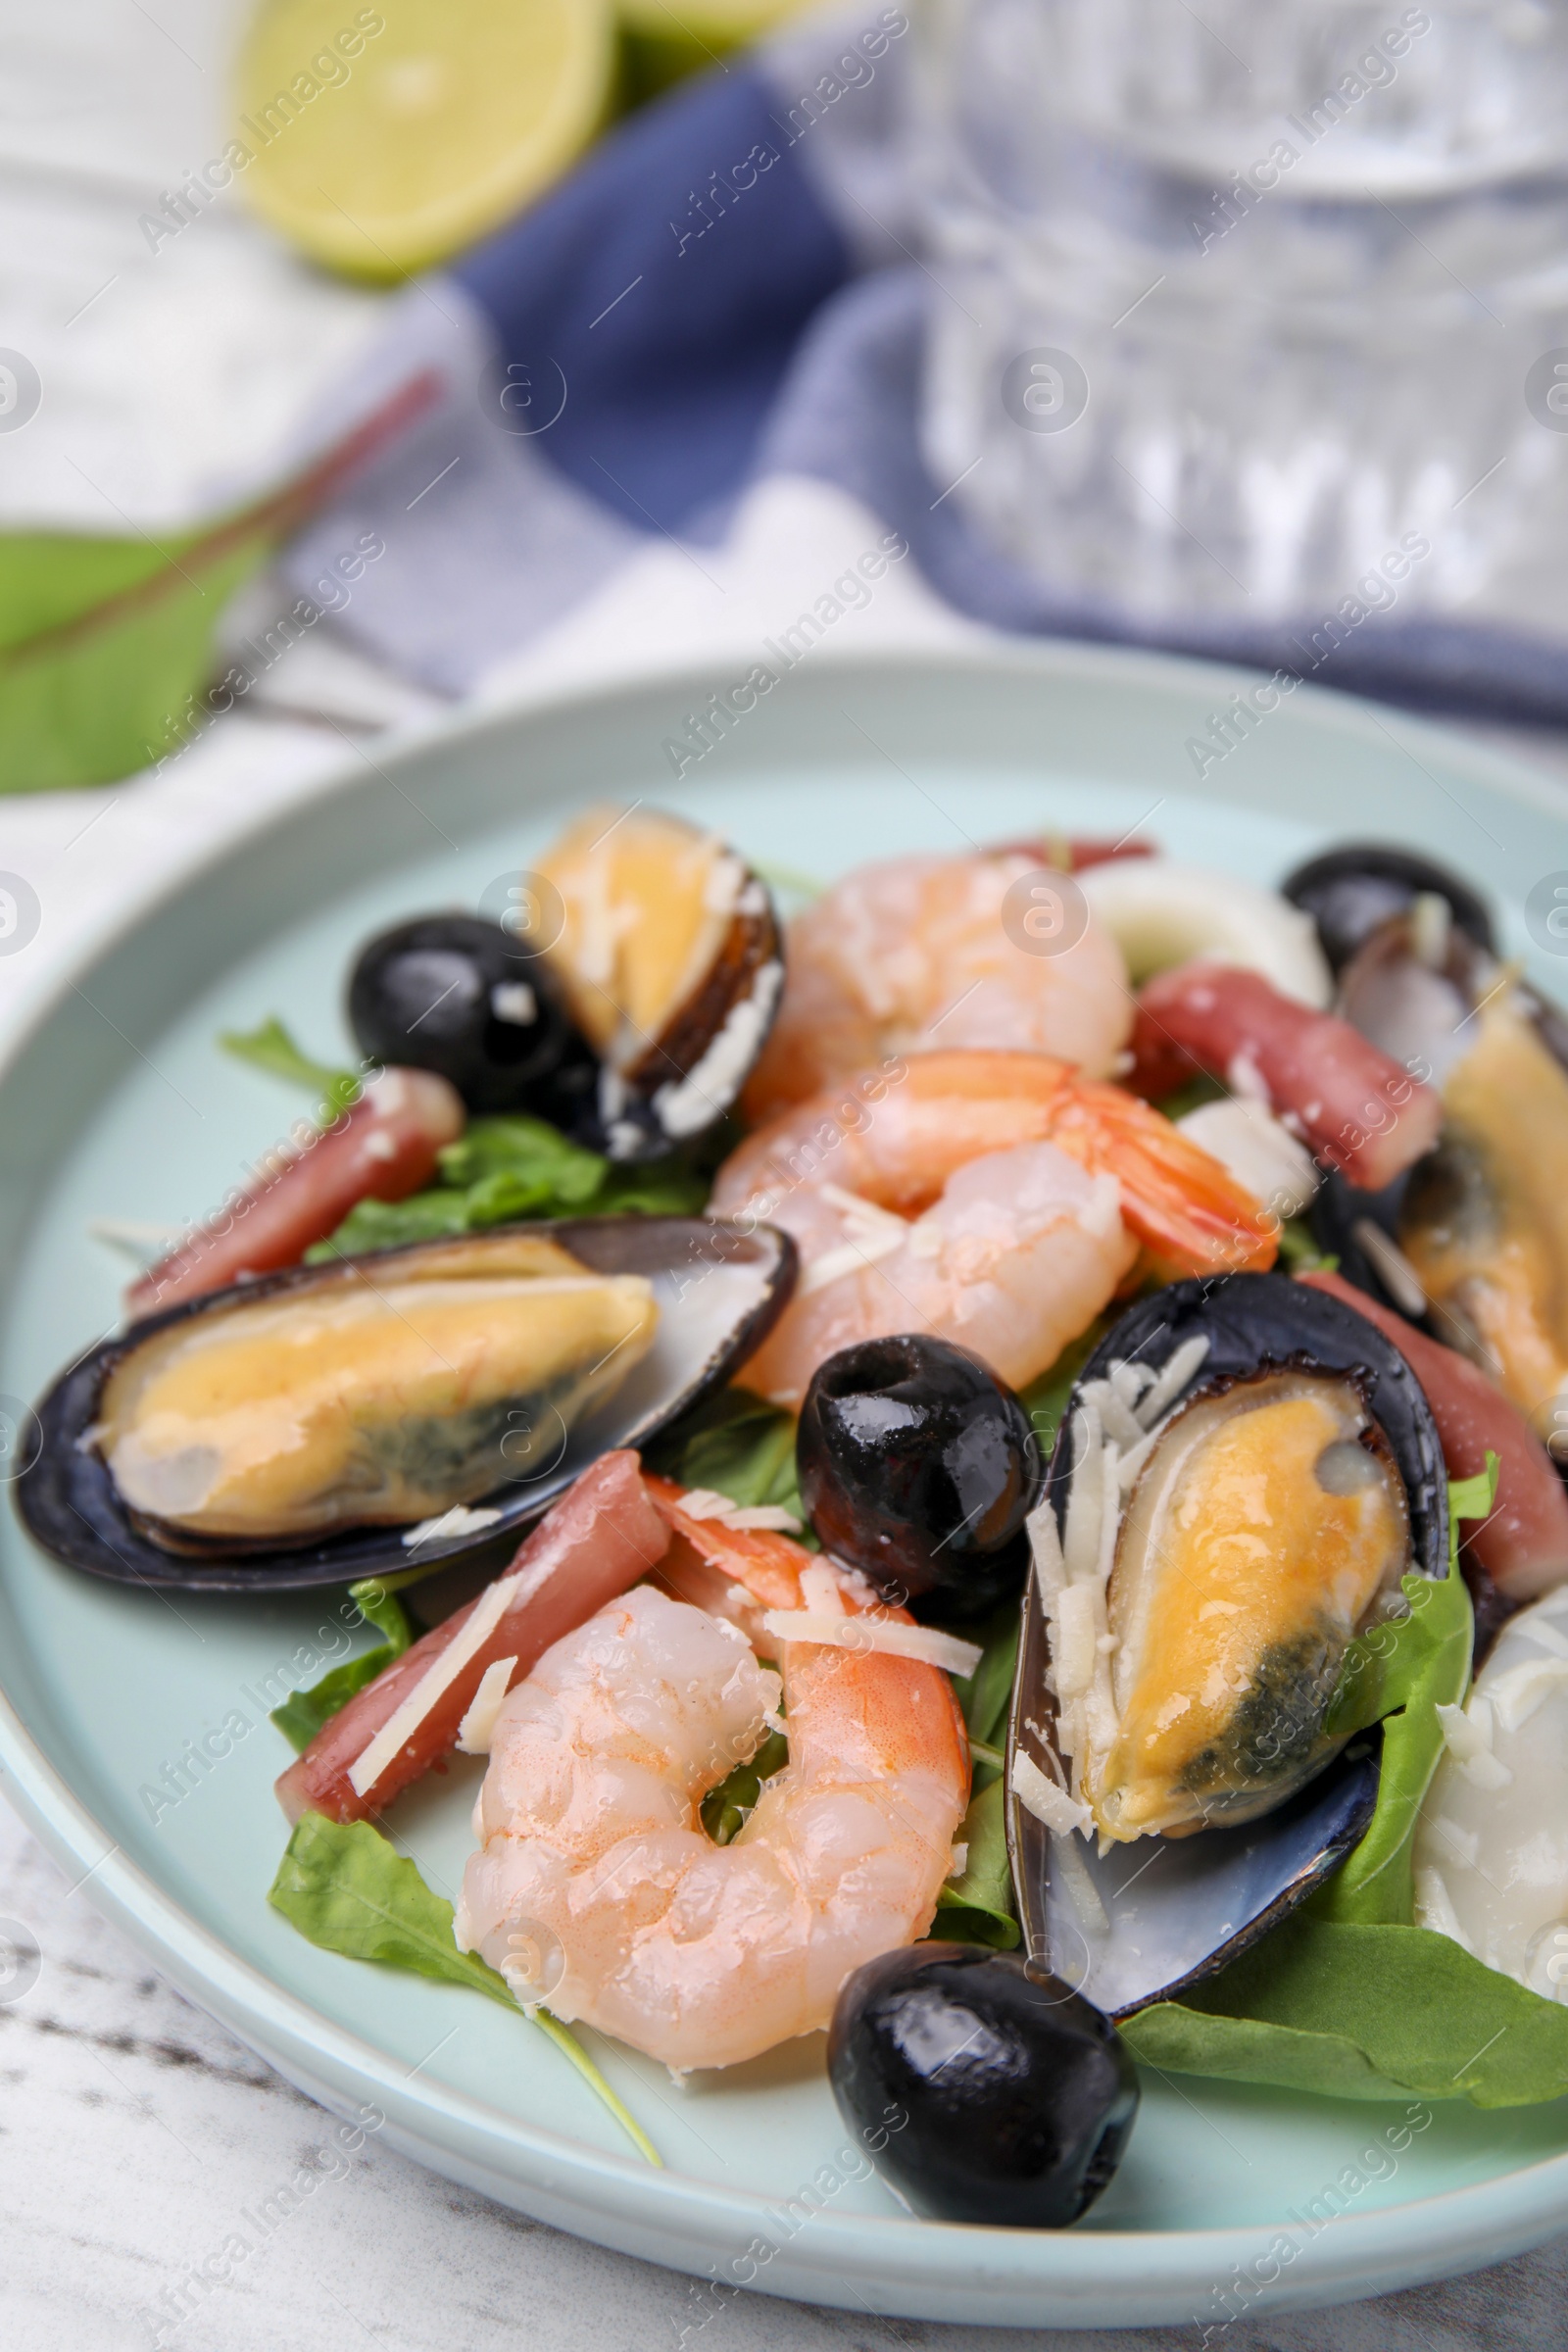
(919, 1467)
(1351, 890)
(454, 994)
(986, 2090)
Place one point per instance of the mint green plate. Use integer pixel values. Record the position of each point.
(117, 1104)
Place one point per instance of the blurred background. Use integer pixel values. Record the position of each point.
(359, 366)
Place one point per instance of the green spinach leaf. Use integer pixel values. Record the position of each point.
(304, 1712)
(977, 1907)
(348, 1890)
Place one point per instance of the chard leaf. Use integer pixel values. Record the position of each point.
(978, 1907)
(105, 658)
(304, 1712)
(348, 1890)
(1363, 2012)
(272, 1049)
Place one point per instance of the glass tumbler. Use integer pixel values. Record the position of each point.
(1232, 306)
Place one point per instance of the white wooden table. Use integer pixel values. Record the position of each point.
(135, 2137)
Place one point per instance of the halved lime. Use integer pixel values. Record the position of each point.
(384, 139)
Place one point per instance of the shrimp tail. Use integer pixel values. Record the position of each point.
(1188, 1213)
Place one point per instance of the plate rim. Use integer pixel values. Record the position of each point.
(913, 2267)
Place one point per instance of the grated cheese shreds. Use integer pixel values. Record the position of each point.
(1080, 1541)
(1082, 1893)
(821, 1589)
(477, 1726)
(1179, 1371)
(706, 1502)
(1040, 1797)
(1045, 1543)
(920, 1642)
(406, 1719)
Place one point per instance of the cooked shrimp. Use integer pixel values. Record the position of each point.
(995, 1199)
(597, 1887)
(912, 955)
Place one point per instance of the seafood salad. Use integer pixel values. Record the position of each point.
(991, 1493)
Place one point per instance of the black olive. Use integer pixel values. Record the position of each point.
(1349, 891)
(919, 1467)
(986, 2090)
(454, 994)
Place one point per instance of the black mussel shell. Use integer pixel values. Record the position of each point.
(720, 1290)
(1351, 890)
(1176, 1910)
(456, 995)
(1346, 1224)
(674, 1072)
(919, 1467)
(987, 2090)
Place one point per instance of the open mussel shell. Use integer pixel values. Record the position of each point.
(1409, 985)
(666, 949)
(1469, 1241)
(1157, 1913)
(718, 1288)
(1360, 1230)
(1351, 890)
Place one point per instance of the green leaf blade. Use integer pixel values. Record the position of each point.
(347, 1890)
(269, 1047)
(1318, 2000)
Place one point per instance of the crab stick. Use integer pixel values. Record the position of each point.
(1354, 1108)
(382, 1148)
(600, 1538)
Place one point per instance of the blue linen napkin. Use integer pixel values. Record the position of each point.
(730, 288)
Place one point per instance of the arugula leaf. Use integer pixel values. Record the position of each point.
(272, 1049)
(529, 1150)
(303, 1713)
(726, 1808)
(348, 1890)
(1363, 2012)
(978, 1906)
(734, 1443)
(504, 1168)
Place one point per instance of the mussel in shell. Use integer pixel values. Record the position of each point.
(1483, 1218)
(666, 947)
(377, 1396)
(412, 1408)
(1352, 889)
(1239, 1484)
(1479, 1225)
